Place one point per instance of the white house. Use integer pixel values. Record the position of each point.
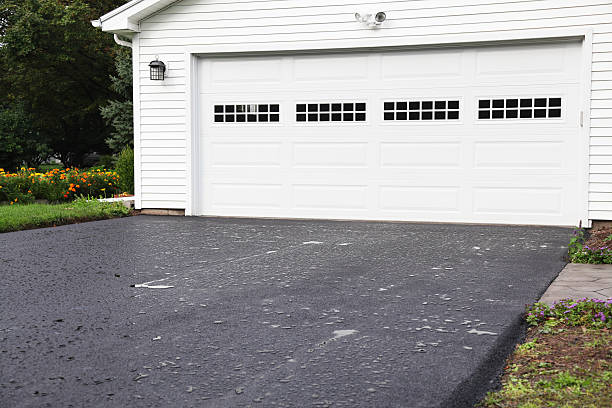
(484, 111)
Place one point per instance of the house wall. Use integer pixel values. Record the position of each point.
(161, 108)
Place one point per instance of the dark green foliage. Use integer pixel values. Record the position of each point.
(119, 113)
(20, 143)
(57, 66)
(106, 162)
(125, 170)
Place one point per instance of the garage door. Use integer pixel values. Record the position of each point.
(483, 134)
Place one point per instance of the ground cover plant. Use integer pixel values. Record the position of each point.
(27, 185)
(565, 361)
(28, 216)
(594, 249)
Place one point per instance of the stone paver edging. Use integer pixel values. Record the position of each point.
(578, 281)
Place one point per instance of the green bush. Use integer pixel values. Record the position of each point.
(106, 161)
(125, 170)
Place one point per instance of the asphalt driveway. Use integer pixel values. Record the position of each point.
(191, 312)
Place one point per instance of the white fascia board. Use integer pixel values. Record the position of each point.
(125, 19)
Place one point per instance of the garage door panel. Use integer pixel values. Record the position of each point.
(417, 66)
(245, 195)
(519, 200)
(330, 68)
(537, 63)
(317, 154)
(330, 196)
(419, 198)
(467, 169)
(420, 154)
(238, 154)
(519, 155)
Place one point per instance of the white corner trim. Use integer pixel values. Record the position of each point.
(585, 130)
(192, 136)
(137, 135)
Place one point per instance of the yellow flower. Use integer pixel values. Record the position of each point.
(103, 189)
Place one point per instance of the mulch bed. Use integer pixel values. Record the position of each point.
(597, 239)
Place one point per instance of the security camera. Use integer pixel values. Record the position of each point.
(371, 19)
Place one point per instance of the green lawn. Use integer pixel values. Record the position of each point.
(28, 216)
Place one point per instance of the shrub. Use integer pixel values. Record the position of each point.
(106, 161)
(582, 312)
(125, 169)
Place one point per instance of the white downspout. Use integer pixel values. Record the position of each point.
(121, 42)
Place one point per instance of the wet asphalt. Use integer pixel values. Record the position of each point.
(264, 313)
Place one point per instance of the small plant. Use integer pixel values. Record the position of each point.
(125, 169)
(583, 312)
(579, 252)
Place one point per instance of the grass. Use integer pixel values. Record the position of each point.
(564, 362)
(29, 216)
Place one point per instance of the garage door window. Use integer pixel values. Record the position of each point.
(421, 110)
(331, 112)
(519, 108)
(246, 113)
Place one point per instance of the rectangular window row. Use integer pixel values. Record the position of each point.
(247, 113)
(331, 112)
(434, 110)
(523, 108)
(421, 110)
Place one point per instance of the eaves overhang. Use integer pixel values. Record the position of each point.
(125, 20)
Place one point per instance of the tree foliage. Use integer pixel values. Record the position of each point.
(20, 144)
(119, 113)
(56, 66)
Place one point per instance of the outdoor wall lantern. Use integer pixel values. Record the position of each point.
(158, 70)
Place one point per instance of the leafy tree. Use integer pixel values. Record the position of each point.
(20, 144)
(58, 68)
(119, 113)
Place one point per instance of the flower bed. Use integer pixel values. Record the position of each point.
(28, 185)
(595, 250)
(564, 361)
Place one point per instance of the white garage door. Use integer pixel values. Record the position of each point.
(483, 134)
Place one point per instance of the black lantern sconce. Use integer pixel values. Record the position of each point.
(158, 70)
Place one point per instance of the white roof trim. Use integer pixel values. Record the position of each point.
(125, 19)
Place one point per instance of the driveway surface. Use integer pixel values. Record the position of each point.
(264, 313)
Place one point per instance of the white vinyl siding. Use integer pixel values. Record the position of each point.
(269, 25)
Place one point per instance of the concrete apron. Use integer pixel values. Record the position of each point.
(577, 281)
